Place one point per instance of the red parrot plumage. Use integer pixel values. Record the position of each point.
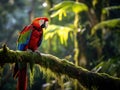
(30, 38)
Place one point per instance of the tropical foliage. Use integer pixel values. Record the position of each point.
(85, 32)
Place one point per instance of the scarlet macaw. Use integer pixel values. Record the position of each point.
(30, 38)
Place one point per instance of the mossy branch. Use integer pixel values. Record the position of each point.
(60, 66)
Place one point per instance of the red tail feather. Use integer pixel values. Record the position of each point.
(22, 79)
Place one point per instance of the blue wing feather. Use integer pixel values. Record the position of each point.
(24, 38)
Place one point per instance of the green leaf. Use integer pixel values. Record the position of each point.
(111, 24)
(79, 7)
(110, 66)
(68, 6)
(61, 31)
(106, 9)
(62, 4)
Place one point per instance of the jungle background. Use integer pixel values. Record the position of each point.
(85, 32)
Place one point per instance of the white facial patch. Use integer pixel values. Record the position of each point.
(41, 22)
(46, 24)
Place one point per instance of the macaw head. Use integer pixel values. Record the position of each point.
(40, 22)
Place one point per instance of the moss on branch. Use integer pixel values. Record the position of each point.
(88, 79)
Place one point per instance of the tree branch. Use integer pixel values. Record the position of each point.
(88, 79)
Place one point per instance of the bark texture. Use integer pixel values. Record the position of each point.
(90, 80)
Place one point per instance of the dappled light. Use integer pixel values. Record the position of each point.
(78, 50)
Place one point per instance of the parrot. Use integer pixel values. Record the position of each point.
(30, 38)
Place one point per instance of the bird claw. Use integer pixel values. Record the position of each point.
(38, 52)
(29, 50)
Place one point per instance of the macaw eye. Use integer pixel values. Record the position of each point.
(41, 22)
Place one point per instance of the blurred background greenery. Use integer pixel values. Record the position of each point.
(85, 32)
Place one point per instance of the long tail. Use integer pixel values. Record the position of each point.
(22, 79)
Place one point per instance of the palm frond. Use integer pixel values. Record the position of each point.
(111, 24)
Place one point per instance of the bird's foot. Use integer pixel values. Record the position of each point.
(38, 52)
(29, 50)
